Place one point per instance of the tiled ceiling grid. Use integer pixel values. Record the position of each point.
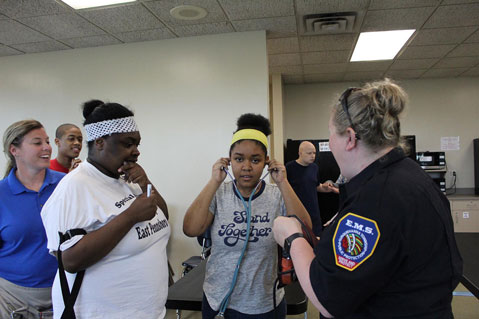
(445, 45)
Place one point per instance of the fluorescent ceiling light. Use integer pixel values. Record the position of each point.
(383, 45)
(83, 4)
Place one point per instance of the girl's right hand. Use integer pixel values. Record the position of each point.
(143, 208)
(218, 174)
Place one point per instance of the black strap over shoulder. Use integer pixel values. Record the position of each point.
(69, 298)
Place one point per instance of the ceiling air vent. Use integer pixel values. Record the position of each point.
(328, 23)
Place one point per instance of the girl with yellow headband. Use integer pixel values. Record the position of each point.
(221, 206)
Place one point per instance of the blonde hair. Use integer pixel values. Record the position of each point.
(374, 110)
(14, 135)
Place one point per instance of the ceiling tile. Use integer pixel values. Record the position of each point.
(202, 29)
(63, 26)
(396, 19)
(45, 46)
(326, 6)
(162, 10)
(395, 4)
(363, 76)
(293, 79)
(471, 72)
(473, 38)
(287, 69)
(325, 57)
(413, 64)
(12, 32)
(442, 36)
(468, 49)
(452, 32)
(145, 35)
(327, 42)
(457, 62)
(454, 16)
(280, 27)
(93, 41)
(253, 9)
(6, 51)
(284, 59)
(29, 8)
(426, 51)
(369, 66)
(282, 45)
(323, 77)
(123, 18)
(442, 73)
(325, 68)
(404, 74)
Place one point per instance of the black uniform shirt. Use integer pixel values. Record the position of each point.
(390, 252)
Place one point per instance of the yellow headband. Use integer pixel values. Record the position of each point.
(250, 134)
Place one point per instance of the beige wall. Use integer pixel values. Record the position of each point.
(437, 108)
(186, 93)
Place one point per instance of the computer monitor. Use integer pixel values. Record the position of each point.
(410, 141)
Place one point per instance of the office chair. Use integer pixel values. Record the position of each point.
(205, 241)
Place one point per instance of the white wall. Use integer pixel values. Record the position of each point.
(186, 93)
(437, 108)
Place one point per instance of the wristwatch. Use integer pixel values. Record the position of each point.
(289, 241)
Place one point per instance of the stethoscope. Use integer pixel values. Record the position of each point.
(247, 206)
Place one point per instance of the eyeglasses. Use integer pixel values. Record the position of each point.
(344, 103)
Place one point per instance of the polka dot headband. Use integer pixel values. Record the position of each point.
(108, 127)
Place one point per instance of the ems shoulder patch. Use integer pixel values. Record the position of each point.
(354, 240)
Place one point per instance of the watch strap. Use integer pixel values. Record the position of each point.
(289, 241)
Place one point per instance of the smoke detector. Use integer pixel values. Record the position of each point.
(188, 12)
(328, 23)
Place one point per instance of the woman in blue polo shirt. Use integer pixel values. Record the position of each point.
(27, 269)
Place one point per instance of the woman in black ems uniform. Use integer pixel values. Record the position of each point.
(390, 252)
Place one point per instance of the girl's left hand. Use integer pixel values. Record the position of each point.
(277, 171)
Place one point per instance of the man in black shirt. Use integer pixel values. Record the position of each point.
(303, 175)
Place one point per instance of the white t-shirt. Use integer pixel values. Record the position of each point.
(132, 280)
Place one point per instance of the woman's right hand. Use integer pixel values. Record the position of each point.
(218, 174)
(143, 208)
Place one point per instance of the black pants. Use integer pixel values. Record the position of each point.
(278, 313)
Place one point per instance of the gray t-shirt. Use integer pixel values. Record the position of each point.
(253, 293)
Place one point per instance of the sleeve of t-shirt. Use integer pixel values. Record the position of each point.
(341, 291)
(318, 178)
(60, 213)
(213, 205)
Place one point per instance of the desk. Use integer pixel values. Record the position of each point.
(468, 247)
(187, 293)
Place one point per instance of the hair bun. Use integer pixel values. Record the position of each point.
(389, 97)
(90, 106)
(254, 121)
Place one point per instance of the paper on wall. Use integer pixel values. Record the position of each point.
(450, 143)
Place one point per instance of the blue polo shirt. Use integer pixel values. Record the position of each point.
(24, 257)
